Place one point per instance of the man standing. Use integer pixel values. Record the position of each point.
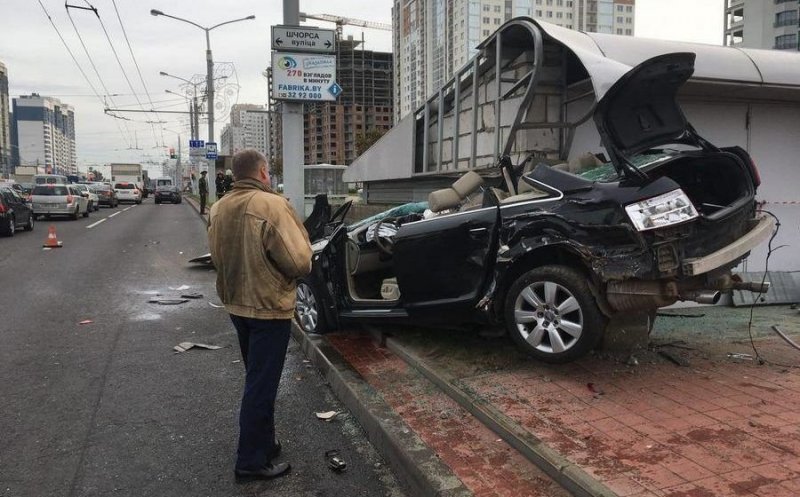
(203, 192)
(259, 248)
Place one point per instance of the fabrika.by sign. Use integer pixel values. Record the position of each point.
(304, 77)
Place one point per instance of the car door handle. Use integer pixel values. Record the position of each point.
(477, 230)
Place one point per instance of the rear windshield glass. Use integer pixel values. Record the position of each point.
(127, 186)
(49, 190)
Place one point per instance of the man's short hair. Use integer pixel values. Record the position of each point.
(246, 164)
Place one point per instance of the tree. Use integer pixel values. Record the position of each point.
(366, 140)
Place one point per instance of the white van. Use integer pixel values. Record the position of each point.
(50, 179)
(162, 182)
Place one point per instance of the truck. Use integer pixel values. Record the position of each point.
(131, 173)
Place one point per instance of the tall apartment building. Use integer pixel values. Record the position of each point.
(434, 38)
(5, 125)
(249, 128)
(44, 134)
(332, 129)
(763, 24)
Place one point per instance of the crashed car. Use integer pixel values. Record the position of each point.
(550, 254)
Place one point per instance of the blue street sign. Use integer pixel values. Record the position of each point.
(335, 90)
(211, 150)
(197, 143)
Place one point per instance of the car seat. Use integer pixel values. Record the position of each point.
(452, 197)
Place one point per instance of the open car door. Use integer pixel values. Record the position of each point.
(445, 261)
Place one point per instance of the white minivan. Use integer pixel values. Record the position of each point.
(162, 182)
(50, 179)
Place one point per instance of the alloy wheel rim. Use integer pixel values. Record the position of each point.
(306, 308)
(548, 317)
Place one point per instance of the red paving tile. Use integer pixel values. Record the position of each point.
(719, 428)
(488, 467)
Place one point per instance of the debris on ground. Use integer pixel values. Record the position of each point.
(632, 361)
(216, 306)
(736, 355)
(594, 389)
(335, 462)
(677, 315)
(674, 357)
(180, 288)
(194, 295)
(785, 338)
(86, 321)
(326, 416)
(168, 301)
(184, 346)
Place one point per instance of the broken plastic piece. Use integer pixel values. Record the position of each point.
(86, 321)
(184, 346)
(180, 288)
(168, 301)
(326, 416)
(216, 306)
(192, 295)
(335, 462)
(736, 355)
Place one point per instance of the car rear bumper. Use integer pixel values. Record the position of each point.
(57, 210)
(763, 227)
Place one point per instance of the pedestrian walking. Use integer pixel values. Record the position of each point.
(203, 192)
(259, 248)
(219, 184)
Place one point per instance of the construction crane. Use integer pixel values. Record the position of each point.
(341, 21)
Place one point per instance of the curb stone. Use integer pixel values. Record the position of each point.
(423, 473)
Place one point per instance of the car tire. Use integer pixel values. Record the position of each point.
(157, 202)
(551, 313)
(86, 213)
(11, 227)
(76, 214)
(31, 221)
(308, 310)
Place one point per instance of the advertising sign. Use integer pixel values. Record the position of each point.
(304, 77)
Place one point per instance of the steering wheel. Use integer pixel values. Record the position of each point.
(385, 244)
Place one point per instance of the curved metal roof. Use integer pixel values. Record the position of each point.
(606, 57)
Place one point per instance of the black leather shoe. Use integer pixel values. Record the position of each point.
(266, 473)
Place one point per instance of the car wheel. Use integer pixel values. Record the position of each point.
(307, 310)
(76, 214)
(86, 213)
(31, 220)
(157, 202)
(550, 313)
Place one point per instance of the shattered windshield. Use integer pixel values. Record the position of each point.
(403, 210)
(606, 172)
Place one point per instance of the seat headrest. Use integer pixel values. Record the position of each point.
(467, 184)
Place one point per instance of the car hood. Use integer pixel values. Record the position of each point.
(640, 111)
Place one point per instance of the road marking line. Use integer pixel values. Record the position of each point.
(115, 214)
(98, 222)
(126, 208)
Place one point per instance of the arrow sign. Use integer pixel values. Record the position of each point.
(303, 39)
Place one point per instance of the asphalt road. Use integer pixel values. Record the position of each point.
(107, 408)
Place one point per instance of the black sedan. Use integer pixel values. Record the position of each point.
(15, 212)
(551, 251)
(168, 193)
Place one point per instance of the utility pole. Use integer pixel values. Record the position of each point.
(292, 124)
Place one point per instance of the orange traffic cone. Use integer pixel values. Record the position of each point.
(52, 239)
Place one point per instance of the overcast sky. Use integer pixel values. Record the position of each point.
(37, 61)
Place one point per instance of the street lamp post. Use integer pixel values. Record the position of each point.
(192, 113)
(209, 62)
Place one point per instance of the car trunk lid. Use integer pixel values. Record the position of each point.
(640, 111)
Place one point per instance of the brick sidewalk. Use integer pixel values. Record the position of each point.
(720, 427)
(488, 466)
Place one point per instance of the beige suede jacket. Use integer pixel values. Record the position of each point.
(259, 248)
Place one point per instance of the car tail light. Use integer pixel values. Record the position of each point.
(70, 198)
(660, 211)
(2, 209)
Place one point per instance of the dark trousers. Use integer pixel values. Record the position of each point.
(263, 343)
(203, 197)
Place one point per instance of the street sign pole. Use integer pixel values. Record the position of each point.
(292, 119)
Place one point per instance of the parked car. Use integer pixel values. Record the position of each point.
(554, 251)
(168, 193)
(94, 200)
(128, 192)
(59, 200)
(15, 212)
(106, 195)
